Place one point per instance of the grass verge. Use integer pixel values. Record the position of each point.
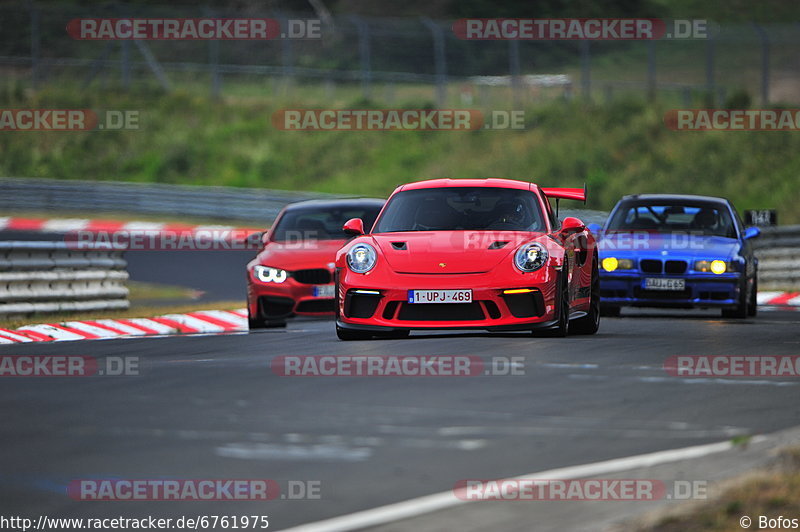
(771, 493)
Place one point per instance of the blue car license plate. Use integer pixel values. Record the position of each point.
(660, 283)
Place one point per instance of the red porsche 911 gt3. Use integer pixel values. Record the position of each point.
(468, 254)
(293, 273)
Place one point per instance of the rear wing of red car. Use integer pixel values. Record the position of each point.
(578, 194)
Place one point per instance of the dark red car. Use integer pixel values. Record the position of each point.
(293, 273)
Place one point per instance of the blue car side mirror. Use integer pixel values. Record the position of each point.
(751, 232)
(594, 228)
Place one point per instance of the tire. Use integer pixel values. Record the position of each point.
(610, 311)
(260, 323)
(561, 329)
(590, 323)
(752, 309)
(741, 310)
(350, 334)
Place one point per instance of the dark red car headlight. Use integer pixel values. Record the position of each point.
(267, 274)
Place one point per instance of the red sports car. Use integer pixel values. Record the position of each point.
(468, 254)
(293, 273)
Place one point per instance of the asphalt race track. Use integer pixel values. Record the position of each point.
(211, 407)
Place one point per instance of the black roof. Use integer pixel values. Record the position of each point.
(346, 203)
(674, 198)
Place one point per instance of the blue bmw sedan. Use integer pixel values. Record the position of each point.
(677, 251)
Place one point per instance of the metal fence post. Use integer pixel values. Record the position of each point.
(364, 54)
(36, 44)
(439, 61)
(586, 82)
(764, 63)
(710, 86)
(513, 59)
(213, 60)
(153, 64)
(287, 55)
(125, 63)
(652, 83)
(687, 97)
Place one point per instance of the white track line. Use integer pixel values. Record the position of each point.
(447, 499)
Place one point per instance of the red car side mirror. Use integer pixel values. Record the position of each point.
(572, 225)
(354, 226)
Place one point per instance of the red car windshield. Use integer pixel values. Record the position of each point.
(462, 209)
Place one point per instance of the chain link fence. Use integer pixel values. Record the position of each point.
(413, 58)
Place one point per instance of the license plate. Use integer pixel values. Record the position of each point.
(659, 283)
(324, 290)
(440, 296)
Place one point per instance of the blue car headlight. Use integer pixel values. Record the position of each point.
(613, 263)
(714, 266)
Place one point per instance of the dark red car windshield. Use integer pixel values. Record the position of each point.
(462, 209)
(320, 223)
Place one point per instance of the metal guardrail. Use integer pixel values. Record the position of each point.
(257, 206)
(778, 252)
(778, 248)
(41, 277)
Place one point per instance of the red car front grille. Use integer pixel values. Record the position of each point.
(441, 312)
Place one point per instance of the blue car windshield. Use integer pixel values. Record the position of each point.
(462, 209)
(695, 218)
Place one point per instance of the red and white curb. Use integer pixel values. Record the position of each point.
(779, 299)
(203, 321)
(68, 225)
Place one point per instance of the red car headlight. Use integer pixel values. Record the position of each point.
(531, 257)
(361, 258)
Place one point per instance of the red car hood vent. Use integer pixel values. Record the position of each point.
(448, 252)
